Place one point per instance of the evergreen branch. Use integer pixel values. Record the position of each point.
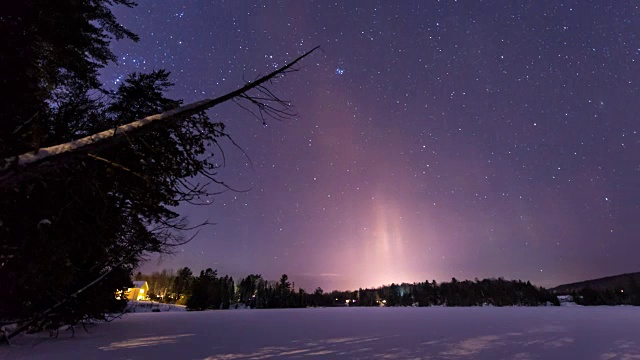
(45, 313)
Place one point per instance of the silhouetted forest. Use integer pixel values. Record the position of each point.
(210, 291)
(617, 282)
(593, 297)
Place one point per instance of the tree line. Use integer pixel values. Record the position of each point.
(594, 297)
(211, 291)
(612, 290)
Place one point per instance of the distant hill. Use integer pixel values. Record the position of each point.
(629, 281)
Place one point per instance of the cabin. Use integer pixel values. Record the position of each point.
(566, 300)
(139, 291)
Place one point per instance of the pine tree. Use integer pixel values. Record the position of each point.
(63, 231)
(49, 242)
(226, 293)
(182, 283)
(284, 291)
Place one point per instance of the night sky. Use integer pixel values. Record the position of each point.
(434, 139)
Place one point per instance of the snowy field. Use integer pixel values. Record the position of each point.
(352, 333)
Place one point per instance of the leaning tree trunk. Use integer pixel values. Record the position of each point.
(15, 169)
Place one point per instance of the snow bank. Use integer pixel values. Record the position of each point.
(353, 333)
(150, 306)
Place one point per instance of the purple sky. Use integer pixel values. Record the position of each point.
(434, 139)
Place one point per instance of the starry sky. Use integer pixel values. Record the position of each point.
(434, 139)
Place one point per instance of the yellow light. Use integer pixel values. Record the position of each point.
(141, 291)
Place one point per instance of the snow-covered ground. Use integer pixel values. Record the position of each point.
(352, 333)
(149, 306)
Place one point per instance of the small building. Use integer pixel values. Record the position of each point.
(566, 300)
(139, 291)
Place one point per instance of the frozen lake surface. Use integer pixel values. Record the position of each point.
(352, 333)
